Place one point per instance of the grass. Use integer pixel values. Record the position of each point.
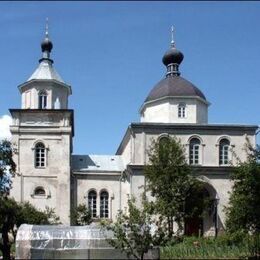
(206, 248)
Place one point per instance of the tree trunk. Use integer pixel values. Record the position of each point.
(6, 244)
(170, 227)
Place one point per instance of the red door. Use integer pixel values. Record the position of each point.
(193, 227)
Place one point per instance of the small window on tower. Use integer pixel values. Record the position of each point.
(39, 191)
(42, 100)
(181, 110)
(40, 155)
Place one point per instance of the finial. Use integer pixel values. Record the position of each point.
(172, 35)
(46, 44)
(47, 27)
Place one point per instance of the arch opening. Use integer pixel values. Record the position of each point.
(201, 211)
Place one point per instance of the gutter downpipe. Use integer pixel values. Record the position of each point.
(120, 190)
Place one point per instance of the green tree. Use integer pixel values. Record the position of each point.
(7, 167)
(170, 181)
(81, 215)
(243, 212)
(13, 214)
(132, 230)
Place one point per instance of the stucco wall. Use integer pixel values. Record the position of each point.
(55, 176)
(30, 92)
(209, 149)
(218, 184)
(166, 111)
(117, 189)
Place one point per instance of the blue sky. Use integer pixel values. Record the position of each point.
(110, 53)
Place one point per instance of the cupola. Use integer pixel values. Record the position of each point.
(174, 94)
(45, 89)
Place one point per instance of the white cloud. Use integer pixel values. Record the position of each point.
(5, 122)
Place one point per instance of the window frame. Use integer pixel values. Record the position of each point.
(40, 155)
(46, 195)
(104, 204)
(223, 152)
(92, 203)
(42, 100)
(182, 113)
(192, 153)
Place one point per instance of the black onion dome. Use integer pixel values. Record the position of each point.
(174, 87)
(172, 56)
(46, 45)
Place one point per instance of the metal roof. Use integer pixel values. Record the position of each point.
(174, 87)
(46, 70)
(101, 163)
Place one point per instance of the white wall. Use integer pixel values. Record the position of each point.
(209, 149)
(55, 177)
(30, 92)
(118, 190)
(166, 111)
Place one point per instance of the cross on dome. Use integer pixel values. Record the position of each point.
(172, 36)
(47, 27)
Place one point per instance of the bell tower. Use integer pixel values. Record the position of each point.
(42, 132)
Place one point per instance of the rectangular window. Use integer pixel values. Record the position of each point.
(223, 155)
(40, 158)
(104, 205)
(181, 112)
(92, 204)
(194, 154)
(42, 101)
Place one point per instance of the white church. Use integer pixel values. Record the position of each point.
(49, 174)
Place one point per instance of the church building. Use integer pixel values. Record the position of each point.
(49, 174)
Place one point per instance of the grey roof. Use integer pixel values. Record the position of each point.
(174, 86)
(193, 126)
(46, 70)
(102, 163)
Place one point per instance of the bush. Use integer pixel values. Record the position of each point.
(81, 215)
(13, 214)
(227, 245)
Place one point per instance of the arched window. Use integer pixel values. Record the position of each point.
(92, 203)
(194, 151)
(181, 110)
(163, 140)
(163, 149)
(223, 152)
(40, 155)
(39, 191)
(42, 100)
(104, 204)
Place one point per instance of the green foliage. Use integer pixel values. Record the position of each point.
(170, 181)
(198, 201)
(6, 157)
(7, 167)
(243, 212)
(13, 214)
(225, 246)
(27, 213)
(81, 215)
(132, 230)
(53, 218)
